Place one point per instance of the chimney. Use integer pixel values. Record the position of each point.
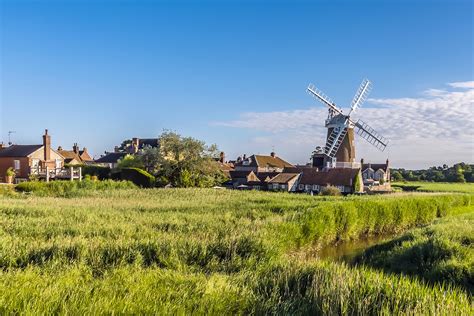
(116, 149)
(244, 157)
(362, 161)
(273, 154)
(84, 149)
(2, 145)
(387, 161)
(75, 148)
(60, 148)
(222, 157)
(47, 145)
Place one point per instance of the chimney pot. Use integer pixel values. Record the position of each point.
(273, 154)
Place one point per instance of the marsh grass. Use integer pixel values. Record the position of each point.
(201, 250)
(439, 253)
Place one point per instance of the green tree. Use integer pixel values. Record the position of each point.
(130, 161)
(184, 161)
(397, 176)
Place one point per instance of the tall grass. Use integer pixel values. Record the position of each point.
(441, 252)
(71, 188)
(189, 250)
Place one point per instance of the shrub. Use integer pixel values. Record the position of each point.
(100, 172)
(330, 191)
(10, 172)
(138, 176)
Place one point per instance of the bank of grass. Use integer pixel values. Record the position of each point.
(71, 188)
(202, 250)
(439, 253)
(284, 288)
(422, 186)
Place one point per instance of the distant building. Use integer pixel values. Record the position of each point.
(345, 179)
(30, 159)
(261, 163)
(376, 175)
(110, 160)
(284, 182)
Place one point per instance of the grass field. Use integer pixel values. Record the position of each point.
(439, 186)
(207, 251)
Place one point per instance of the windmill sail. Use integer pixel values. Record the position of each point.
(320, 96)
(370, 135)
(335, 140)
(361, 95)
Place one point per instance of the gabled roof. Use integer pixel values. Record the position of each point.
(284, 178)
(239, 174)
(69, 155)
(333, 176)
(375, 166)
(262, 176)
(264, 161)
(111, 157)
(19, 150)
(84, 154)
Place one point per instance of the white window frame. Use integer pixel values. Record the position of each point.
(16, 164)
(57, 163)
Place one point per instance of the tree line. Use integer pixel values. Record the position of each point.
(459, 172)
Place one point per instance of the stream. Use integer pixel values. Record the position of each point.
(347, 250)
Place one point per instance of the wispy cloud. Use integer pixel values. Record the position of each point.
(440, 121)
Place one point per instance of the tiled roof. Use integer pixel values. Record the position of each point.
(264, 175)
(265, 161)
(111, 158)
(19, 150)
(69, 155)
(284, 177)
(239, 174)
(334, 176)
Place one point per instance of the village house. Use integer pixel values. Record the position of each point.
(376, 176)
(130, 147)
(345, 179)
(29, 160)
(284, 182)
(261, 163)
(75, 156)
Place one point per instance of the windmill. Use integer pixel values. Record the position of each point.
(340, 136)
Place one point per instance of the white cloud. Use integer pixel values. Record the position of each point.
(432, 129)
(465, 84)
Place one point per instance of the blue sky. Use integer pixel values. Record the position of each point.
(235, 73)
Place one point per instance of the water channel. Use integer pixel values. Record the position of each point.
(346, 251)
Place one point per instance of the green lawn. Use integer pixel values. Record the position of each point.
(206, 251)
(438, 186)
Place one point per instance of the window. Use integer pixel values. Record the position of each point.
(308, 187)
(315, 187)
(275, 186)
(283, 186)
(58, 163)
(16, 164)
(301, 186)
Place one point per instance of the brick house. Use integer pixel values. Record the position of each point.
(30, 159)
(75, 156)
(311, 180)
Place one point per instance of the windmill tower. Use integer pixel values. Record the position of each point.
(340, 145)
